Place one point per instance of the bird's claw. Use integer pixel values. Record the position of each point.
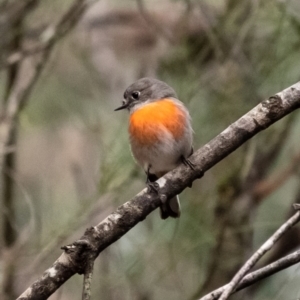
(187, 163)
(153, 187)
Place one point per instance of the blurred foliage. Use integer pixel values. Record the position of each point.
(75, 166)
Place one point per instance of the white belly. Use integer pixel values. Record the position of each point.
(165, 155)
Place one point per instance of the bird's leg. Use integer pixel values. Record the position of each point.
(188, 163)
(150, 181)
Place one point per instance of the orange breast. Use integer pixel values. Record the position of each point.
(146, 123)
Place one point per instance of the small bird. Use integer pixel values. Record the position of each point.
(160, 132)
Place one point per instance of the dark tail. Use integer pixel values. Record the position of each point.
(170, 209)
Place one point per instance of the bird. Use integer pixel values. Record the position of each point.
(160, 133)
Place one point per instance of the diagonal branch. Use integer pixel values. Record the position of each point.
(75, 257)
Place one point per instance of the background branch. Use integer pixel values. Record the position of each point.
(23, 85)
(267, 246)
(257, 275)
(22, 75)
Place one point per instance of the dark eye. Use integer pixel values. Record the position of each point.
(135, 95)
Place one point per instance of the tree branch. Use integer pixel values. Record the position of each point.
(258, 254)
(75, 257)
(24, 83)
(257, 275)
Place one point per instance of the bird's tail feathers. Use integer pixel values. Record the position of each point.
(171, 208)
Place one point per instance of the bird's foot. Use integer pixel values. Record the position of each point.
(152, 187)
(187, 162)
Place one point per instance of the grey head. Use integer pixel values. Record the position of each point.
(145, 90)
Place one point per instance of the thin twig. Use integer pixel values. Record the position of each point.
(259, 274)
(87, 280)
(267, 186)
(258, 254)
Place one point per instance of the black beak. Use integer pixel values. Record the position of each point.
(121, 107)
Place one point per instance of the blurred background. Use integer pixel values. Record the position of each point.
(69, 164)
